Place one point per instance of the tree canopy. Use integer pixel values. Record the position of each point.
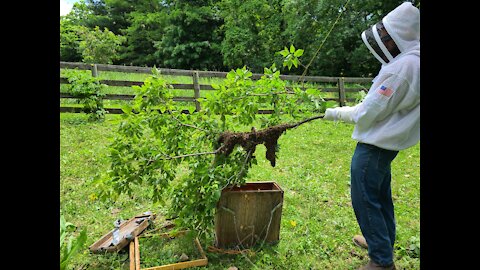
(228, 34)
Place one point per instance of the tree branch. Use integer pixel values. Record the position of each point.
(305, 121)
(218, 150)
(264, 94)
(167, 157)
(187, 125)
(193, 155)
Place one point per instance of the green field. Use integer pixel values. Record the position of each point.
(312, 168)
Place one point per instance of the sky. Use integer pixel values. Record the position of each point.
(66, 6)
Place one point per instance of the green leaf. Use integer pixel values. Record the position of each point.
(298, 53)
(127, 108)
(70, 247)
(292, 49)
(311, 91)
(284, 53)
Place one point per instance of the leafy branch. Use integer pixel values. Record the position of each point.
(225, 148)
(155, 141)
(87, 90)
(186, 125)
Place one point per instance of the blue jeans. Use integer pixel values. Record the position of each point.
(372, 199)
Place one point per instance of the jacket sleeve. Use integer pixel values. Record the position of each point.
(382, 100)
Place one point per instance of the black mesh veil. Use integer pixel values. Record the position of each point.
(371, 38)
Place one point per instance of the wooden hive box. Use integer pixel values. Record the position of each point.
(248, 215)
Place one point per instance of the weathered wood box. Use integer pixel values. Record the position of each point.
(249, 215)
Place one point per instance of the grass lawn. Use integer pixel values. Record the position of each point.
(312, 168)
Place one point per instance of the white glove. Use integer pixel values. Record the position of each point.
(344, 114)
(330, 114)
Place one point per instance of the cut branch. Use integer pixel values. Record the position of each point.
(186, 125)
(306, 121)
(249, 140)
(194, 154)
(167, 157)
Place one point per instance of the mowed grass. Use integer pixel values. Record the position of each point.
(317, 223)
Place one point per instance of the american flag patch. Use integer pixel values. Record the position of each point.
(383, 90)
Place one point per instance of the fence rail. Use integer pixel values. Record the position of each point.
(340, 89)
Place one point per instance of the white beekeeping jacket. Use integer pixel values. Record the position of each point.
(389, 116)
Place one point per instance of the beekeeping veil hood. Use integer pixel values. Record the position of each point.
(402, 25)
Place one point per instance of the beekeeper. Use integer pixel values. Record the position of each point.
(386, 121)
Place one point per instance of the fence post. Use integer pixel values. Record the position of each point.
(341, 91)
(94, 70)
(196, 90)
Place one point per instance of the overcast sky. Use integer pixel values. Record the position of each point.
(66, 6)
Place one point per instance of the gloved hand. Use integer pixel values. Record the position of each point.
(344, 114)
(330, 114)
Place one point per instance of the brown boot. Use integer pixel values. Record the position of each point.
(373, 266)
(360, 241)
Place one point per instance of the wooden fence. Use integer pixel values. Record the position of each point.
(196, 87)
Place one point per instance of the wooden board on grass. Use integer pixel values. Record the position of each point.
(133, 226)
(135, 255)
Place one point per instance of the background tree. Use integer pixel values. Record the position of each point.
(91, 13)
(227, 34)
(118, 11)
(253, 33)
(191, 39)
(144, 31)
(70, 37)
(111, 14)
(100, 47)
(343, 53)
